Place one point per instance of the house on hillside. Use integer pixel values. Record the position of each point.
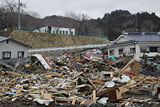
(56, 30)
(130, 43)
(12, 50)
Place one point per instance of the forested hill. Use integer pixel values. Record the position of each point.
(111, 24)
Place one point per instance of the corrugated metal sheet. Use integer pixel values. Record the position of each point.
(3, 38)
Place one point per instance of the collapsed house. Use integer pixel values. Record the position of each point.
(130, 43)
(85, 79)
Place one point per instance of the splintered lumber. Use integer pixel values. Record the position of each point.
(136, 68)
(92, 84)
(83, 101)
(60, 84)
(68, 99)
(77, 75)
(141, 101)
(83, 85)
(63, 99)
(55, 74)
(74, 100)
(124, 101)
(11, 73)
(130, 62)
(94, 96)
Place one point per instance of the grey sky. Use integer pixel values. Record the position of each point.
(93, 8)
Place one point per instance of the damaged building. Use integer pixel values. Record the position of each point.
(130, 43)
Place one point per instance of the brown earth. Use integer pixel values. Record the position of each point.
(46, 40)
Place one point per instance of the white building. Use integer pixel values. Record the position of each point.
(12, 49)
(135, 43)
(56, 30)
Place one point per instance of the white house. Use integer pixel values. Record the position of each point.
(56, 30)
(12, 49)
(135, 43)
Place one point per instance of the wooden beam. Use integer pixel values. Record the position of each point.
(74, 100)
(94, 96)
(92, 84)
(130, 62)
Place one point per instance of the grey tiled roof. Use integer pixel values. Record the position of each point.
(3, 38)
(144, 37)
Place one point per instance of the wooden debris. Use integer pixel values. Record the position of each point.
(74, 100)
(94, 96)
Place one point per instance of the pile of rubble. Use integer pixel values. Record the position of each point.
(85, 79)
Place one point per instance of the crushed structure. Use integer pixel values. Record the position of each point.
(83, 79)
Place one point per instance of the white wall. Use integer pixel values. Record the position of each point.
(54, 30)
(13, 47)
(60, 30)
(126, 50)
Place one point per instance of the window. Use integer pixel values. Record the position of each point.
(153, 49)
(71, 33)
(120, 51)
(53, 31)
(111, 52)
(132, 50)
(60, 32)
(63, 32)
(66, 32)
(143, 49)
(6, 55)
(56, 31)
(20, 54)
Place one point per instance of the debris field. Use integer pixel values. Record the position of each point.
(83, 79)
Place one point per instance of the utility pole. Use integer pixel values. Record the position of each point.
(19, 16)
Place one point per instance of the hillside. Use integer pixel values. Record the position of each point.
(46, 40)
(111, 24)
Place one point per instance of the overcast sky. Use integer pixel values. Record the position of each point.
(93, 8)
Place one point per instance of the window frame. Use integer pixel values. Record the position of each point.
(20, 56)
(6, 52)
(122, 51)
(132, 50)
(112, 50)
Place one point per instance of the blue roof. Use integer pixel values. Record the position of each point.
(3, 38)
(143, 37)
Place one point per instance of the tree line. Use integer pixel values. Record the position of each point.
(111, 24)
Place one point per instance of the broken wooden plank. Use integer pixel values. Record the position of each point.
(94, 96)
(92, 84)
(77, 75)
(68, 99)
(124, 68)
(74, 100)
(136, 68)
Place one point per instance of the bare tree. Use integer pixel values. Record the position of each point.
(9, 13)
(78, 17)
(78, 20)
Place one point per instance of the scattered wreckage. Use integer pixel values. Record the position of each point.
(87, 79)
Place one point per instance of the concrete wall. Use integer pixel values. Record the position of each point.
(13, 47)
